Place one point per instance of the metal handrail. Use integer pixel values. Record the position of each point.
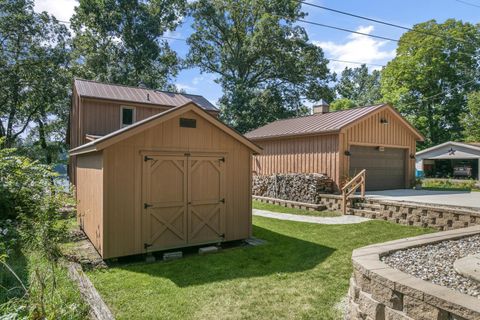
(352, 186)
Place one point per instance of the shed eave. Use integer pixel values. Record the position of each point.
(142, 125)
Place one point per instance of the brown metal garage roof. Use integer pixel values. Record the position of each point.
(99, 90)
(312, 124)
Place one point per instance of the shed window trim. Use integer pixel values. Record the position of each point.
(122, 123)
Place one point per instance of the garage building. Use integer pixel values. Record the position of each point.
(178, 178)
(450, 160)
(340, 144)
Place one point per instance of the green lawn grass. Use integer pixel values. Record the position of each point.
(276, 208)
(302, 272)
(61, 301)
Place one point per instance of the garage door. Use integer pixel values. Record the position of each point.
(183, 200)
(385, 169)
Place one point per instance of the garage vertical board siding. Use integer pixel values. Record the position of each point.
(90, 205)
(123, 162)
(370, 132)
(307, 154)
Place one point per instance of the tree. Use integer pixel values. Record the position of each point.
(471, 119)
(359, 86)
(264, 63)
(33, 64)
(436, 66)
(342, 104)
(120, 41)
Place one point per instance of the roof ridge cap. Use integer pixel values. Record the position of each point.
(321, 114)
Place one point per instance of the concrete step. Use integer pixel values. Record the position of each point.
(363, 213)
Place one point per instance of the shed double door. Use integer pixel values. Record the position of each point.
(183, 200)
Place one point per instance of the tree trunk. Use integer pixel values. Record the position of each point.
(43, 141)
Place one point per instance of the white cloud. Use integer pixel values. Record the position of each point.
(61, 9)
(358, 48)
(186, 87)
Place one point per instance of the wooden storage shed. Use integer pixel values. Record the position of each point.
(341, 144)
(178, 178)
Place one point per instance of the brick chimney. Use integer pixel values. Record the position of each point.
(321, 107)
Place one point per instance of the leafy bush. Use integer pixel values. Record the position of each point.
(448, 184)
(33, 284)
(25, 185)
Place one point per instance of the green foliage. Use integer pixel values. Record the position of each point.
(33, 62)
(359, 86)
(119, 41)
(430, 76)
(471, 118)
(25, 185)
(50, 294)
(342, 104)
(264, 63)
(448, 184)
(29, 241)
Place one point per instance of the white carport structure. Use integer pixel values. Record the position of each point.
(458, 153)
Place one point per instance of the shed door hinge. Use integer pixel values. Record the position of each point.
(146, 205)
(187, 154)
(146, 245)
(222, 159)
(146, 158)
(222, 200)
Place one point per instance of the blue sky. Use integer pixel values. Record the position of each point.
(336, 44)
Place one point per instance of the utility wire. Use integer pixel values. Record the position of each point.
(355, 62)
(380, 21)
(348, 30)
(440, 93)
(469, 3)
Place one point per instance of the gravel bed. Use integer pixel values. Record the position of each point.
(434, 263)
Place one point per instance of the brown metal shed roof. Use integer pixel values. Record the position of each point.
(99, 90)
(312, 124)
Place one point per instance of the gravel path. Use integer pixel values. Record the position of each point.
(347, 219)
(434, 263)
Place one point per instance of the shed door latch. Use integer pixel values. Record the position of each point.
(146, 158)
(147, 245)
(222, 159)
(222, 200)
(146, 205)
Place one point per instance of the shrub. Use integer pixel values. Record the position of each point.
(448, 184)
(36, 287)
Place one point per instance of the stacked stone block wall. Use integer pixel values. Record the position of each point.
(420, 215)
(379, 292)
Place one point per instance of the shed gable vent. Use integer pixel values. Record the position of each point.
(188, 123)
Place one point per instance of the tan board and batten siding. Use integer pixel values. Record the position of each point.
(122, 166)
(325, 152)
(96, 109)
(90, 191)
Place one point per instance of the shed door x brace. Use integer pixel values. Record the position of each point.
(183, 200)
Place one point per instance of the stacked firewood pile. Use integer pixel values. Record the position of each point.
(302, 187)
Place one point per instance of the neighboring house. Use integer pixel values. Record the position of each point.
(341, 144)
(177, 178)
(450, 160)
(100, 108)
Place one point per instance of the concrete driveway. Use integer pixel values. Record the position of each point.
(450, 198)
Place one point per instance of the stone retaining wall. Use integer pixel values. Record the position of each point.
(329, 202)
(422, 215)
(379, 292)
